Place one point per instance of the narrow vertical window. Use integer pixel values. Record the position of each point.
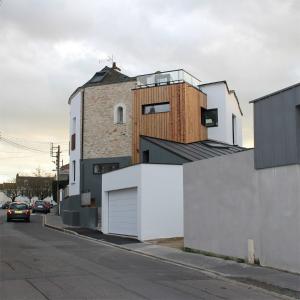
(74, 170)
(74, 125)
(120, 118)
(234, 130)
(146, 156)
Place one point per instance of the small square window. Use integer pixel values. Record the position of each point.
(209, 117)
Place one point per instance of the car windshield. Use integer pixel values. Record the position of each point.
(39, 202)
(18, 206)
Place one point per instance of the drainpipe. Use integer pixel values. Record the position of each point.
(82, 136)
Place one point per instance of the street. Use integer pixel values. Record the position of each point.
(41, 263)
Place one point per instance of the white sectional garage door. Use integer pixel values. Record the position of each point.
(122, 212)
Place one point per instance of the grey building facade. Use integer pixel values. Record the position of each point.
(277, 128)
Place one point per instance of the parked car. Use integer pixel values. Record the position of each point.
(18, 211)
(6, 205)
(40, 206)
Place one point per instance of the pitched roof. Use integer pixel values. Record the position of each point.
(228, 90)
(106, 76)
(277, 92)
(197, 150)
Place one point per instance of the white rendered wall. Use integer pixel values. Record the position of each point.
(162, 201)
(227, 202)
(75, 111)
(159, 198)
(218, 97)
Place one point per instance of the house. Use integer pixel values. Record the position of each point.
(250, 200)
(113, 116)
(224, 103)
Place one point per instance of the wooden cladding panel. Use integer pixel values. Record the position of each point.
(181, 124)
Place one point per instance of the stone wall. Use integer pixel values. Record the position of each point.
(103, 138)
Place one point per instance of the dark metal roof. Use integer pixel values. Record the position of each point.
(228, 90)
(106, 76)
(274, 93)
(197, 150)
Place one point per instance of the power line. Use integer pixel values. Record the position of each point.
(37, 142)
(20, 146)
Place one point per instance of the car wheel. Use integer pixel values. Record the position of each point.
(8, 220)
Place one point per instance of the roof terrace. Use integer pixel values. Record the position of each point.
(167, 77)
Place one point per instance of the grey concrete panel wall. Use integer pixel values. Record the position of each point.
(227, 202)
(72, 213)
(276, 120)
(92, 182)
(158, 155)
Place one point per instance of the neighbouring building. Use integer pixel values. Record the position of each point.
(247, 204)
(113, 116)
(34, 186)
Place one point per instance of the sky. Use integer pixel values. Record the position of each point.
(48, 48)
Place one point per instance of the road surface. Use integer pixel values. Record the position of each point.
(41, 263)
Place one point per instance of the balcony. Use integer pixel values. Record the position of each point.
(168, 77)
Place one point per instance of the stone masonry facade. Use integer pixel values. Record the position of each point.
(101, 137)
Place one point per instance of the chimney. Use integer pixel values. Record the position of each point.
(114, 66)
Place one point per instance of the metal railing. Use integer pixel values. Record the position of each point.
(168, 77)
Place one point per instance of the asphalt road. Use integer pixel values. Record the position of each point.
(41, 263)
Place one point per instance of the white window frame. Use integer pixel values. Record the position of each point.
(116, 108)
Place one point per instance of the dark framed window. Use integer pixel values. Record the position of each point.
(146, 156)
(73, 141)
(209, 117)
(74, 170)
(155, 108)
(233, 129)
(104, 168)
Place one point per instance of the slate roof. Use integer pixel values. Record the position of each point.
(197, 150)
(106, 76)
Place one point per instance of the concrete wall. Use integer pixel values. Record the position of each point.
(159, 198)
(102, 136)
(158, 155)
(276, 128)
(75, 112)
(227, 202)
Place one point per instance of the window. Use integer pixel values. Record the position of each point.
(233, 129)
(146, 156)
(120, 114)
(74, 125)
(74, 170)
(73, 141)
(155, 108)
(104, 168)
(209, 117)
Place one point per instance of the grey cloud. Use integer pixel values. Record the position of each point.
(48, 48)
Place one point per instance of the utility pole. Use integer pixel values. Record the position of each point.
(55, 153)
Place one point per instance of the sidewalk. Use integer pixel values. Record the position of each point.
(281, 282)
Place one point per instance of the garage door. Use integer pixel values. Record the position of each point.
(122, 212)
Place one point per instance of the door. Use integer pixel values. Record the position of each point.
(122, 212)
